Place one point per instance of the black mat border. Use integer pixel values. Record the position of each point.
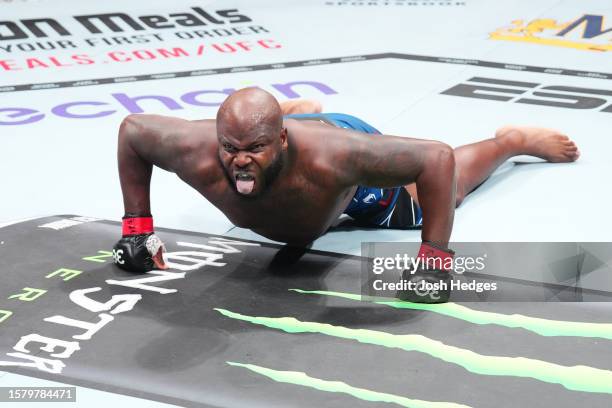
(306, 63)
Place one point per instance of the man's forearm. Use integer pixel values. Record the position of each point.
(134, 172)
(436, 187)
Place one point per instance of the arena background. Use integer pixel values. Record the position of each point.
(453, 71)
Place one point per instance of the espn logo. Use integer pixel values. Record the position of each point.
(534, 94)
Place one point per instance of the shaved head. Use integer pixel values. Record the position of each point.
(250, 110)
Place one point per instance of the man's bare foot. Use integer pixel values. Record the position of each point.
(547, 144)
(300, 106)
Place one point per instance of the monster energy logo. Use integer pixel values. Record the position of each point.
(576, 378)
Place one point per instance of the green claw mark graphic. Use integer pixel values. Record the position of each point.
(298, 378)
(576, 378)
(543, 327)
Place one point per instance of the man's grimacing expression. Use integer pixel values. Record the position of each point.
(251, 140)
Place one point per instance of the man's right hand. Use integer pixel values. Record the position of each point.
(139, 249)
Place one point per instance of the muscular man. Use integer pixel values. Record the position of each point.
(290, 178)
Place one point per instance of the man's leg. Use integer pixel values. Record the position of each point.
(475, 162)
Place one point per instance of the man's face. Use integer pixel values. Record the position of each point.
(253, 160)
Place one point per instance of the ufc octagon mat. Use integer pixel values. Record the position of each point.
(241, 323)
(453, 71)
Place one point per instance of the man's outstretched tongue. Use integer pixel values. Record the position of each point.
(245, 186)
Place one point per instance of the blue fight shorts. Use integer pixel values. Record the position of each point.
(373, 206)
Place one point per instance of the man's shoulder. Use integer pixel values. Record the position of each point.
(326, 140)
(191, 144)
(314, 134)
(199, 145)
(324, 150)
